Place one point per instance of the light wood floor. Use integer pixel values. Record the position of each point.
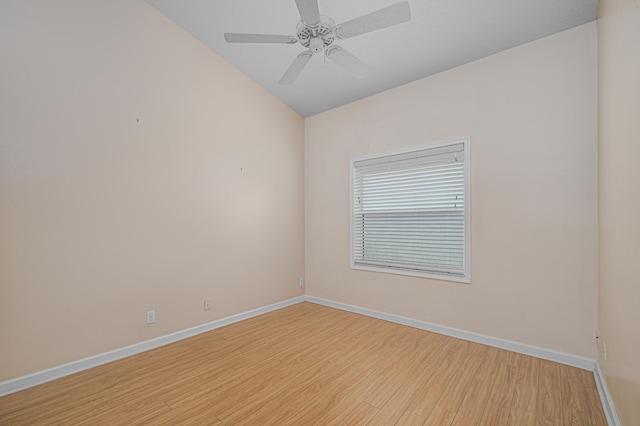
(309, 364)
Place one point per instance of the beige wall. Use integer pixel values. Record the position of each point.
(619, 202)
(102, 216)
(531, 114)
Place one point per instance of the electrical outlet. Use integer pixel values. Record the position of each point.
(207, 304)
(301, 282)
(604, 351)
(151, 317)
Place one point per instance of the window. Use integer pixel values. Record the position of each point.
(410, 212)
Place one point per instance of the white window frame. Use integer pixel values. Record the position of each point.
(466, 277)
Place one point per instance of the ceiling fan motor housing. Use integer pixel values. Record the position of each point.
(317, 37)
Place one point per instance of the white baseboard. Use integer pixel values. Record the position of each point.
(605, 397)
(535, 351)
(24, 382)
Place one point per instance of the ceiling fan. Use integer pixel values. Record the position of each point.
(317, 33)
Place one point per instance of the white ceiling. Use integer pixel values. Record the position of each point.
(441, 34)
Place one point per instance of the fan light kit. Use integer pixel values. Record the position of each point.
(317, 33)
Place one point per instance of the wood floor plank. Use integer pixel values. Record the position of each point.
(549, 401)
(442, 376)
(409, 418)
(310, 364)
(359, 414)
(520, 417)
(509, 358)
(441, 417)
(463, 378)
(31, 404)
(575, 410)
(596, 413)
(86, 412)
(396, 406)
(499, 402)
(147, 414)
(476, 396)
(292, 400)
(525, 392)
(202, 417)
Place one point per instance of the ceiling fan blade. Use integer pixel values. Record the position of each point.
(309, 11)
(383, 18)
(347, 61)
(296, 68)
(259, 38)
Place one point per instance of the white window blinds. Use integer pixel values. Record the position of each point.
(409, 212)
